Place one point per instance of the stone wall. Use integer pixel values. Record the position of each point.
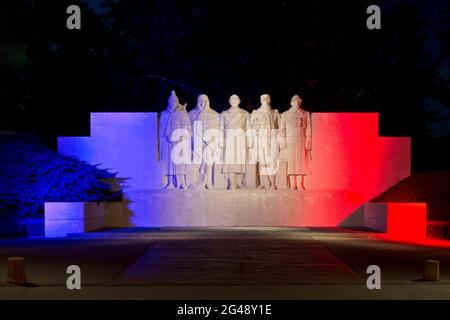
(350, 165)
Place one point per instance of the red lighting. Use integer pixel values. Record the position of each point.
(352, 160)
(407, 221)
(407, 224)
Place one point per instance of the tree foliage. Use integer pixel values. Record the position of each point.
(33, 174)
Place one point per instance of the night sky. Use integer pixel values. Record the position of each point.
(433, 14)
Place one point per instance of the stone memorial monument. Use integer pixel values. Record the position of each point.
(352, 164)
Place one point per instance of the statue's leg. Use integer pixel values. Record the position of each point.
(209, 177)
(262, 181)
(265, 182)
(228, 181)
(292, 182)
(272, 180)
(260, 176)
(234, 185)
(301, 182)
(181, 181)
(169, 184)
(200, 183)
(240, 181)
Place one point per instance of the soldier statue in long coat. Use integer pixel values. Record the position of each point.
(265, 121)
(235, 122)
(295, 137)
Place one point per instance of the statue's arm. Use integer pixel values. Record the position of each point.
(221, 131)
(282, 133)
(308, 133)
(186, 126)
(249, 132)
(254, 122)
(187, 123)
(277, 118)
(163, 132)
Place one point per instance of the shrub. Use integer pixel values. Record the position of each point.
(31, 174)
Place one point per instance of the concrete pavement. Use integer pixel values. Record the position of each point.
(252, 263)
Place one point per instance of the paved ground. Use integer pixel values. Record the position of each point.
(47, 260)
(237, 262)
(258, 263)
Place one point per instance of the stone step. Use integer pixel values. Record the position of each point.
(225, 233)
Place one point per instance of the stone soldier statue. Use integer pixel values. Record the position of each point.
(295, 137)
(175, 130)
(235, 122)
(204, 121)
(265, 121)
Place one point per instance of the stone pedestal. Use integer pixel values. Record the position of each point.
(72, 217)
(225, 208)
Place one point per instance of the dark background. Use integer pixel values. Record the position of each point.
(129, 54)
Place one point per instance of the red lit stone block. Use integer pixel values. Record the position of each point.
(407, 221)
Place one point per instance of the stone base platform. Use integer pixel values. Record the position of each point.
(223, 208)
